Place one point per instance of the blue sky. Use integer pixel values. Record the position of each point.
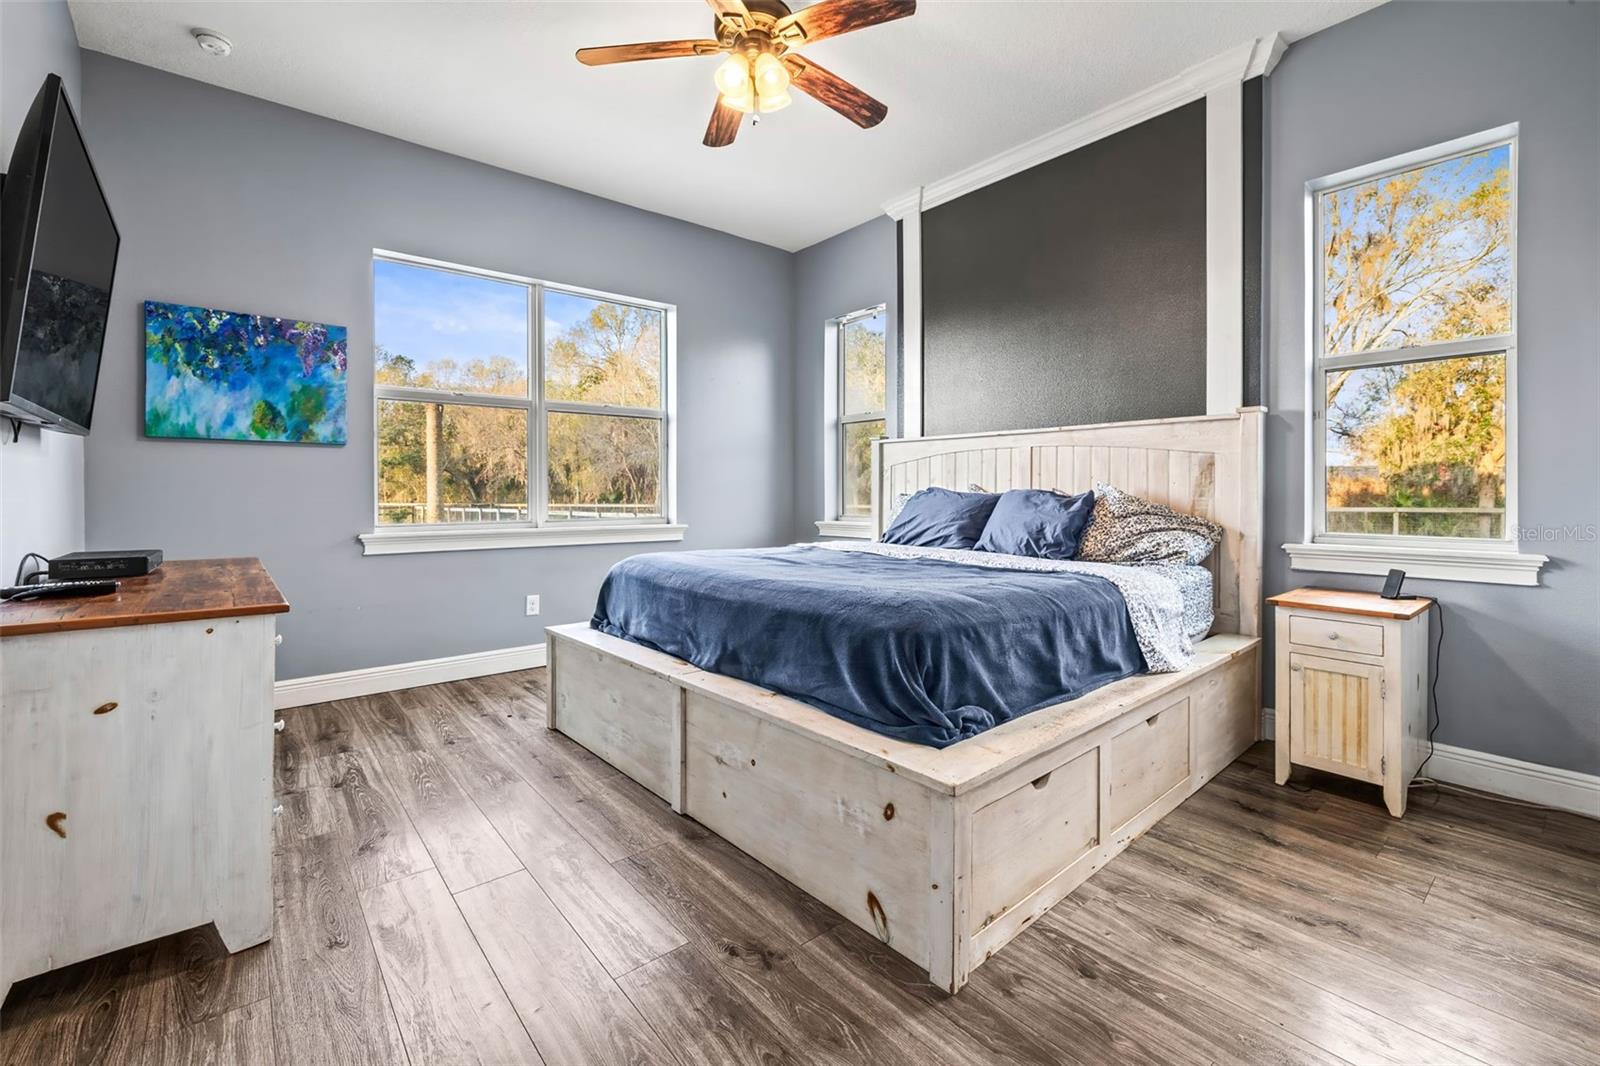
(434, 314)
(431, 314)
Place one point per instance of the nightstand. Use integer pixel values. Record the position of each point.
(1352, 696)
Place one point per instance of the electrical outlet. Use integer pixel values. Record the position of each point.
(533, 606)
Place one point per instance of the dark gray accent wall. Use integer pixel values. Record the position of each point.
(847, 272)
(229, 201)
(1520, 671)
(1254, 232)
(1074, 291)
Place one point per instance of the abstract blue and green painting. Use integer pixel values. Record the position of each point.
(225, 375)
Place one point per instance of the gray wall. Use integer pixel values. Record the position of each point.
(41, 473)
(229, 201)
(855, 269)
(1521, 666)
(1074, 291)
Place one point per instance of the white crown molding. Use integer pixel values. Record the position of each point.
(299, 691)
(404, 541)
(1490, 567)
(1532, 782)
(1254, 59)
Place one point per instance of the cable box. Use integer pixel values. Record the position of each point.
(135, 562)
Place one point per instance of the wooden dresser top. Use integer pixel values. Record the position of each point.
(1338, 601)
(180, 591)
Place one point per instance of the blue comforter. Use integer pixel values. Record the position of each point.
(921, 650)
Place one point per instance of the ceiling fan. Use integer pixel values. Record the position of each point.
(757, 35)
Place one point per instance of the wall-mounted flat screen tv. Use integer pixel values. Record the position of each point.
(58, 253)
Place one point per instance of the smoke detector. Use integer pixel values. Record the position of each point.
(212, 44)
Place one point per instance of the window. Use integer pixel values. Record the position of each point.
(862, 370)
(1413, 350)
(506, 404)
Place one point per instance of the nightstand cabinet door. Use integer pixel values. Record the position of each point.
(1336, 716)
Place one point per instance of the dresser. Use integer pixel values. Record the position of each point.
(1352, 691)
(136, 734)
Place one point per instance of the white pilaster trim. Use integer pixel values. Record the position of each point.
(1225, 247)
(348, 684)
(911, 316)
(1531, 782)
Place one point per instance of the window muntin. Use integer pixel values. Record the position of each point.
(460, 437)
(1414, 286)
(862, 383)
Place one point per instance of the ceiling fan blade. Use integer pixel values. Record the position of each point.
(833, 17)
(632, 53)
(723, 127)
(828, 88)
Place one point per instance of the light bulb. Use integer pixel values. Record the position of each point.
(733, 76)
(744, 100)
(772, 77)
(775, 101)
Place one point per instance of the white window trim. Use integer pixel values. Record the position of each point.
(857, 527)
(538, 531)
(1441, 558)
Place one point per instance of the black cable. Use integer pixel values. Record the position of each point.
(1433, 690)
(34, 577)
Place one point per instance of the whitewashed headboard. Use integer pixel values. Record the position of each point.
(1209, 466)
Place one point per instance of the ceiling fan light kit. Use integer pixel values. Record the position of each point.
(760, 69)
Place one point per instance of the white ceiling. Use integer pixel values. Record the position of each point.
(497, 82)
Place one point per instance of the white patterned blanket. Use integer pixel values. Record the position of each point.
(1155, 602)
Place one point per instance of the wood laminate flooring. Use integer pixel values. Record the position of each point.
(454, 884)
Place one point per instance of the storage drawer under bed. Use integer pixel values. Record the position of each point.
(1028, 836)
(1145, 761)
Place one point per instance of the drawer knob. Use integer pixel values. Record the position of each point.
(278, 726)
(277, 639)
(1333, 636)
(1042, 780)
(106, 707)
(1152, 719)
(54, 820)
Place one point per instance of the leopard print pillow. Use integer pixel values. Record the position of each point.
(1127, 529)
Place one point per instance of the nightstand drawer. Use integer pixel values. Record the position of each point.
(1336, 633)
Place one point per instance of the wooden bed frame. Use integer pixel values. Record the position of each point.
(945, 855)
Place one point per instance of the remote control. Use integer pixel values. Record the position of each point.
(51, 589)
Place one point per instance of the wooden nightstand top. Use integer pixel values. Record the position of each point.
(1337, 601)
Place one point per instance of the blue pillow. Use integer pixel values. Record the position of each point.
(1037, 522)
(941, 518)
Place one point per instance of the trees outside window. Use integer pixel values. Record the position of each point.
(859, 343)
(503, 400)
(1414, 336)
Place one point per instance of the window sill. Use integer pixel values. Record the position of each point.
(839, 527)
(482, 538)
(1492, 566)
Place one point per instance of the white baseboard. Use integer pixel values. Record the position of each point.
(1566, 790)
(321, 688)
